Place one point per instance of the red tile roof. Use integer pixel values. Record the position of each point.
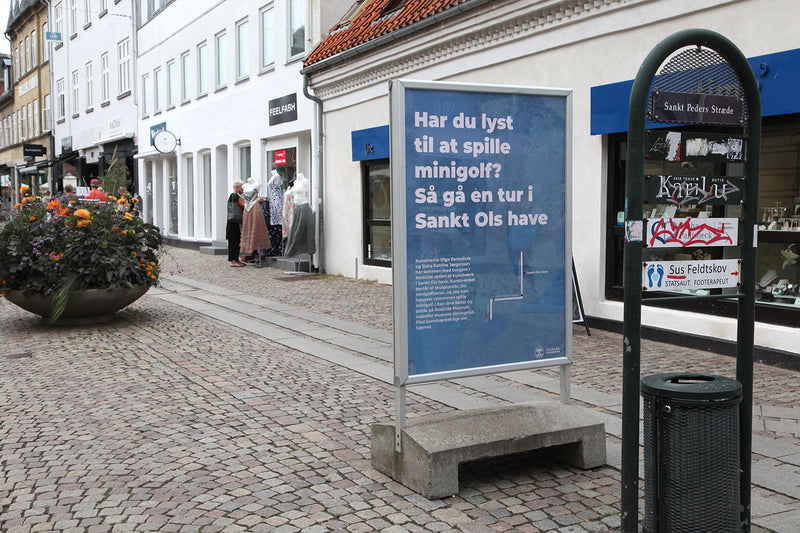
(368, 25)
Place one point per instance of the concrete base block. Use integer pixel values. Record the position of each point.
(433, 446)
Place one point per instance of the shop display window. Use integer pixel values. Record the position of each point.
(777, 265)
(377, 213)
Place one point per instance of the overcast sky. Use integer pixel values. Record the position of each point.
(4, 7)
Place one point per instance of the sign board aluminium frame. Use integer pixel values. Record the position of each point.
(457, 100)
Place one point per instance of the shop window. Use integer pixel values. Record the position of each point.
(188, 172)
(377, 213)
(205, 168)
(777, 265)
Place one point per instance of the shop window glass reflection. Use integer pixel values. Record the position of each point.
(377, 213)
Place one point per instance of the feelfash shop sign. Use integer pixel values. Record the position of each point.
(283, 109)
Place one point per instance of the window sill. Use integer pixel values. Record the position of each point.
(103, 13)
(88, 110)
(220, 89)
(73, 36)
(123, 95)
(87, 25)
(105, 104)
(76, 115)
(242, 80)
(203, 95)
(60, 120)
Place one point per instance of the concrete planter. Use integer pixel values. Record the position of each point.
(90, 306)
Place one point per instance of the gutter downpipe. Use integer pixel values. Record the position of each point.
(318, 171)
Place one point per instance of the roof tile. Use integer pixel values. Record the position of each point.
(368, 25)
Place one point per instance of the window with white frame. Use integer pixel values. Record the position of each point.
(14, 135)
(23, 124)
(145, 101)
(186, 77)
(105, 79)
(46, 124)
(75, 93)
(16, 63)
(267, 37)
(26, 55)
(172, 84)
(31, 118)
(103, 6)
(86, 13)
(297, 28)
(61, 108)
(221, 60)
(157, 84)
(34, 50)
(244, 162)
(242, 50)
(124, 58)
(202, 69)
(89, 86)
(58, 17)
(188, 172)
(45, 44)
(73, 16)
(36, 118)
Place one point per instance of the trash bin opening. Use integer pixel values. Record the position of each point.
(690, 380)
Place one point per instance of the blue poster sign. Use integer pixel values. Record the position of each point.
(480, 228)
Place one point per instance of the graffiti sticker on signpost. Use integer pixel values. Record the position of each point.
(480, 229)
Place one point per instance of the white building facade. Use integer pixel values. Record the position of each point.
(589, 47)
(93, 102)
(223, 79)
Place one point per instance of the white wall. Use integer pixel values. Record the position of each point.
(598, 49)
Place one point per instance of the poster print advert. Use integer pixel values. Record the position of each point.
(486, 210)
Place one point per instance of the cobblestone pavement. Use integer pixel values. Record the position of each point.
(179, 416)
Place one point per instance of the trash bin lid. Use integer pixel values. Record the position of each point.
(687, 386)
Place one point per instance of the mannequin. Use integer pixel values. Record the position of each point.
(272, 209)
(254, 228)
(301, 235)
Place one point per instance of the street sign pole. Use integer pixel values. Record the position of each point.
(747, 87)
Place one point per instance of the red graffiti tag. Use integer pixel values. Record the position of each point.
(667, 231)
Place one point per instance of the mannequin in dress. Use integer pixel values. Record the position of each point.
(301, 235)
(273, 212)
(254, 228)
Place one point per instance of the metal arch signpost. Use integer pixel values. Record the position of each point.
(635, 224)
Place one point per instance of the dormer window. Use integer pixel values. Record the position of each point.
(392, 5)
(350, 15)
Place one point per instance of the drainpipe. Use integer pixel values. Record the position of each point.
(318, 171)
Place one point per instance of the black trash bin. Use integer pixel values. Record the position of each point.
(691, 453)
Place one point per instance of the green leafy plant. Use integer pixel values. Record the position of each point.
(54, 248)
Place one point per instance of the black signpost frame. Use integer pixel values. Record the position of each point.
(633, 260)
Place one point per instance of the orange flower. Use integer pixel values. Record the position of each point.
(128, 216)
(83, 223)
(83, 213)
(122, 201)
(23, 189)
(112, 198)
(63, 211)
(2, 293)
(32, 219)
(53, 205)
(17, 206)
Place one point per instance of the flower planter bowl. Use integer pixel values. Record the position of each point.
(90, 306)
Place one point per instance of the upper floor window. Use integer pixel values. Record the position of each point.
(221, 62)
(297, 28)
(186, 77)
(157, 83)
(86, 13)
(26, 55)
(74, 106)
(172, 84)
(267, 37)
(47, 125)
(124, 58)
(242, 50)
(34, 50)
(61, 108)
(73, 16)
(45, 46)
(145, 101)
(202, 69)
(105, 82)
(58, 16)
(89, 86)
